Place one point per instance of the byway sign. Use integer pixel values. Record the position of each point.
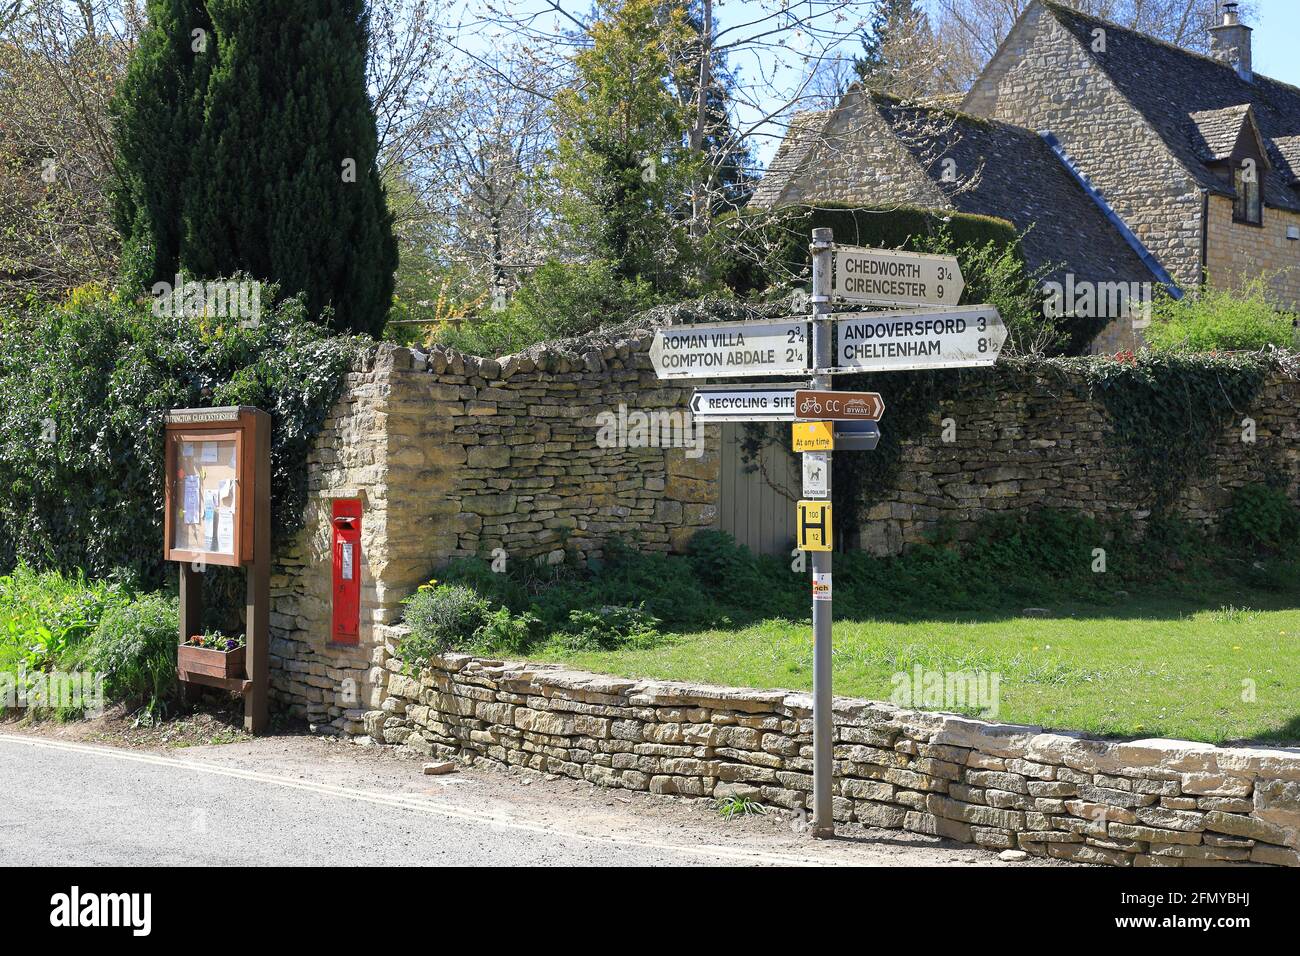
(758, 403)
(722, 350)
(940, 338)
(814, 405)
(890, 277)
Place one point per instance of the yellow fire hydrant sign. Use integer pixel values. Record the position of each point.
(815, 526)
(814, 436)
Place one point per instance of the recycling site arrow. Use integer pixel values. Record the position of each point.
(740, 403)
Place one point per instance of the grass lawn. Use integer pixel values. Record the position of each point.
(1146, 668)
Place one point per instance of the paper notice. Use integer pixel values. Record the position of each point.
(209, 456)
(191, 499)
(225, 531)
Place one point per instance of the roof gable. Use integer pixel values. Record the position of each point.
(1191, 100)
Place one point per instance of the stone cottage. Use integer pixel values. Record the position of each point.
(1192, 161)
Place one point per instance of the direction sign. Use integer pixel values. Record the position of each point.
(742, 403)
(732, 349)
(891, 277)
(813, 436)
(838, 406)
(940, 338)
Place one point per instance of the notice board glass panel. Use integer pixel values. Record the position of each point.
(205, 502)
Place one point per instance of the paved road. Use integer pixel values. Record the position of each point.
(307, 802)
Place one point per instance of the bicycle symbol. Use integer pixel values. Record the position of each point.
(810, 406)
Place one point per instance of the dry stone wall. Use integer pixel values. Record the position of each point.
(452, 456)
(1141, 803)
(1041, 439)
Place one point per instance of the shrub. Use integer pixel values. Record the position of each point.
(506, 633)
(134, 647)
(45, 617)
(1223, 320)
(441, 617)
(83, 390)
(609, 629)
(559, 300)
(1262, 517)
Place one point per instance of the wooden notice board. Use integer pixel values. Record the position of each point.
(211, 483)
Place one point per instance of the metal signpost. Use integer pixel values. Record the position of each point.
(933, 332)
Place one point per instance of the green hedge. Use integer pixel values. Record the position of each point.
(768, 249)
(83, 391)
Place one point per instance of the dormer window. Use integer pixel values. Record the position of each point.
(1248, 181)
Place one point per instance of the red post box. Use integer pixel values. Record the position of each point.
(346, 581)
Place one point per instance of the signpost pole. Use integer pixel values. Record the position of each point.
(823, 822)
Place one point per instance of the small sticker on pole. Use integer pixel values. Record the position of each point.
(821, 586)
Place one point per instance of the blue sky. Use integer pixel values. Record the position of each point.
(1277, 29)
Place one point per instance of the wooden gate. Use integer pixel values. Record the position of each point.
(757, 500)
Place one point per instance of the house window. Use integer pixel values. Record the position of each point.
(1247, 180)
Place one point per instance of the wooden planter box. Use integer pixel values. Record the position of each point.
(209, 662)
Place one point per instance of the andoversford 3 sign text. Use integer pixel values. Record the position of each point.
(934, 338)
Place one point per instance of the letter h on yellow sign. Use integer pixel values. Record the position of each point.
(815, 526)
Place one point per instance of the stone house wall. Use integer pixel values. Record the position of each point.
(1156, 803)
(1236, 252)
(1043, 80)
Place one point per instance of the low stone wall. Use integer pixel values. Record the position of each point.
(1144, 803)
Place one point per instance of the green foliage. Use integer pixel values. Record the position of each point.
(83, 390)
(505, 633)
(558, 300)
(1222, 320)
(733, 807)
(256, 153)
(766, 251)
(1166, 409)
(609, 628)
(441, 617)
(622, 162)
(134, 648)
(45, 617)
(1262, 517)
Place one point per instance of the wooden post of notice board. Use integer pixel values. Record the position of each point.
(217, 504)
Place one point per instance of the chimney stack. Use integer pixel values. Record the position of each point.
(1230, 42)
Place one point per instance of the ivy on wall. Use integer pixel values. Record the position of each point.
(1165, 413)
(84, 387)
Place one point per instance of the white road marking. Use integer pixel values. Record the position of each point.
(411, 802)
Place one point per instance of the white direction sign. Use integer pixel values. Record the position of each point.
(722, 350)
(740, 403)
(934, 338)
(891, 277)
(816, 475)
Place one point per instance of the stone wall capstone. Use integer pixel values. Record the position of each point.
(1147, 803)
